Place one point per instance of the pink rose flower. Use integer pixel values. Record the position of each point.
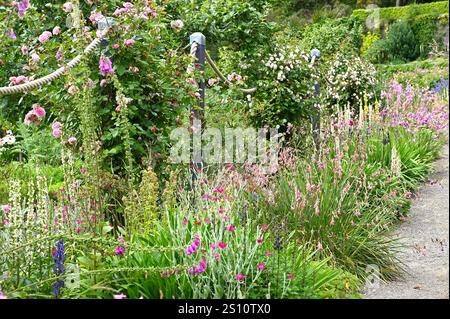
(57, 133)
(67, 7)
(35, 57)
(129, 42)
(56, 30)
(39, 110)
(45, 36)
(72, 140)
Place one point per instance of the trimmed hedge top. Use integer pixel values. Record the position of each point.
(405, 13)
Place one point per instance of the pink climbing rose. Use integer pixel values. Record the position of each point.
(56, 30)
(129, 42)
(38, 110)
(18, 80)
(57, 133)
(72, 140)
(105, 66)
(68, 7)
(45, 36)
(34, 56)
(30, 118)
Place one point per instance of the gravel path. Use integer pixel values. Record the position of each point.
(425, 235)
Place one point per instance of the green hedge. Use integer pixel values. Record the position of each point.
(405, 13)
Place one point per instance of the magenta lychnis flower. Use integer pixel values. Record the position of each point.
(240, 277)
(261, 266)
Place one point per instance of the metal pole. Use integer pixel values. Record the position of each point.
(197, 112)
(315, 118)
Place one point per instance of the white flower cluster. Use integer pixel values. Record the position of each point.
(9, 139)
(349, 78)
(286, 60)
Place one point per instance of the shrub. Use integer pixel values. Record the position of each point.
(424, 29)
(367, 42)
(401, 43)
(348, 80)
(332, 36)
(404, 12)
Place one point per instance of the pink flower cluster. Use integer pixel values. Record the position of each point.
(35, 115)
(200, 268)
(18, 80)
(22, 7)
(194, 246)
(412, 109)
(56, 130)
(128, 8)
(234, 77)
(45, 36)
(105, 66)
(95, 17)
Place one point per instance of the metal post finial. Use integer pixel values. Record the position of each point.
(197, 37)
(315, 53)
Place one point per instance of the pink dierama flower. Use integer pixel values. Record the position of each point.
(268, 253)
(24, 50)
(261, 266)
(194, 246)
(259, 240)
(2, 296)
(240, 277)
(213, 246)
(232, 228)
(290, 276)
(5, 208)
(120, 296)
